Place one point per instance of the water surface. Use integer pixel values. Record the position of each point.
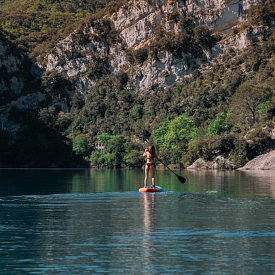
(95, 221)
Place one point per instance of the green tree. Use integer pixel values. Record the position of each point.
(113, 153)
(208, 147)
(264, 109)
(80, 145)
(102, 159)
(247, 100)
(174, 136)
(133, 158)
(218, 125)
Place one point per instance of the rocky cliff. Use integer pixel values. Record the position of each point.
(11, 82)
(19, 84)
(262, 162)
(133, 68)
(107, 46)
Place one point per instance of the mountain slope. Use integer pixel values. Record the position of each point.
(147, 70)
(154, 42)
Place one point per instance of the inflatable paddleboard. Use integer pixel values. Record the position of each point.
(150, 189)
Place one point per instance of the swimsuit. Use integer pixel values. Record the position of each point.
(150, 163)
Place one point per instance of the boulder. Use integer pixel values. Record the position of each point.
(218, 163)
(199, 164)
(222, 163)
(262, 162)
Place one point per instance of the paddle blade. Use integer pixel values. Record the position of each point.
(181, 179)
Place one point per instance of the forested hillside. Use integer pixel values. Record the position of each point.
(90, 92)
(226, 110)
(36, 25)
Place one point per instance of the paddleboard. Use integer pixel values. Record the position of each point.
(150, 189)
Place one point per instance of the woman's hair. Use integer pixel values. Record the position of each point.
(152, 150)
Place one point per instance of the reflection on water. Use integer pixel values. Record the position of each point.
(148, 201)
(236, 183)
(95, 221)
(55, 181)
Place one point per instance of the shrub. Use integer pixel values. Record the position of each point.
(203, 37)
(259, 141)
(174, 136)
(218, 125)
(239, 160)
(113, 153)
(263, 13)
(209, 147)
(141, 55)
(176, 43)
(247, 101)
(133, 159)
(80, 145)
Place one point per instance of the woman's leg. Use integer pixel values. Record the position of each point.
(152, 170)
(146, 170)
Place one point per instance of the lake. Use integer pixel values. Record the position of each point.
(91, 221)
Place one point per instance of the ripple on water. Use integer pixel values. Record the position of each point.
(130, 232)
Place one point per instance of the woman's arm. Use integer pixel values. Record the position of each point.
(145, 152)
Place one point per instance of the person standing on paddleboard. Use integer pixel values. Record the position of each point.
(151, 156)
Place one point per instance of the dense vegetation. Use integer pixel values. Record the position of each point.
(37, 25)
(227, 109)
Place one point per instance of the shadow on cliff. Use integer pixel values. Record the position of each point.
(36, 145)
(32, 143)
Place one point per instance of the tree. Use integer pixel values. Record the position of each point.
(113, 153)
(48, 116)
(80, 145)
(174, 136)
(208, 147)
(218, 125)
(247, 100)
(133, 158)
(203, 37)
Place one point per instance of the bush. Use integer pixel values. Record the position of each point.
(80, 145)
(176, 43)
(133, 159)
(218, 125)
(209, 147)
(173, 137)
(263, 13)
(141, 55)
(203, 37)
(101, 159)
(239, 160)
(113, 152)
(259, 141)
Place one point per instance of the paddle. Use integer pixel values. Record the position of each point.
(181, 179)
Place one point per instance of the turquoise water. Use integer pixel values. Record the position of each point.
(95, 221)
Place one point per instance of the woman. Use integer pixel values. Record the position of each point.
(150, 154)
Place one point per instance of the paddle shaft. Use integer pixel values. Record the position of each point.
(167, 167)
(180, 178)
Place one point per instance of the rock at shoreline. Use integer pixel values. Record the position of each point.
(218, 163)
(262, 162)
(199, 164)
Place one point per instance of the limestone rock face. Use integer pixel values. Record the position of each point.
(199, 164)
(86, 56)
(218, 163)
(18, 89)
(104, 47)
(262, 162)
(10, 64)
